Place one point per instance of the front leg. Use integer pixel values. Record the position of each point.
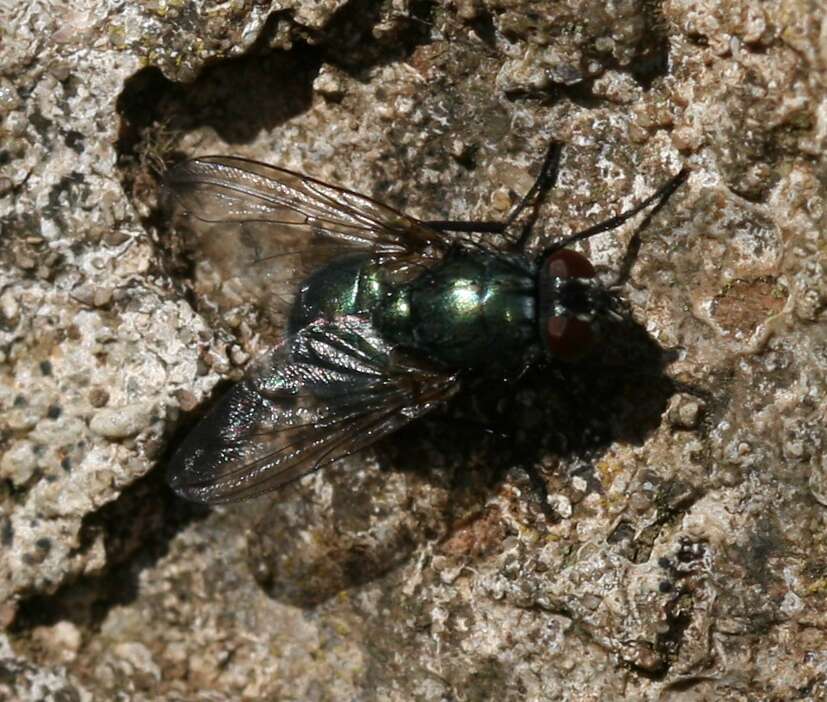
(544, 182)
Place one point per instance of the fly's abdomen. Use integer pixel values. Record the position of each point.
(350, 286)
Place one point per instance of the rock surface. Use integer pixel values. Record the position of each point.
(681, 553)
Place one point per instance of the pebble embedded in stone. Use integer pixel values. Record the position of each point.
(120, 422)
(18, 463)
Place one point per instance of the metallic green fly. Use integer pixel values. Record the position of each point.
(386, 315)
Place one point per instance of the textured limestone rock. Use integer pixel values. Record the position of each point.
(682, 548)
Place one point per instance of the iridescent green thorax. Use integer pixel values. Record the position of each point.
(474, 309)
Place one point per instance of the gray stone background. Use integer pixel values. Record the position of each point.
(682, 553)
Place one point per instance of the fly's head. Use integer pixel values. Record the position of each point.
(572, 302)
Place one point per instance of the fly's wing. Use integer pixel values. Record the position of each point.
(266, 228)
(326, 392)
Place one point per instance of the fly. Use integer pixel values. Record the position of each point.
(388, 315)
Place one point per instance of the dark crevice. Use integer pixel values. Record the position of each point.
(136, 529)
(243, 96)
(349, 40)
(237, 97)
(650, 62)
(483, 26)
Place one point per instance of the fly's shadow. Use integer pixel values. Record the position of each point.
(441, 471)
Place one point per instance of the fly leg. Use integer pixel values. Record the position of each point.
(540, 489)
(533, 198)
(542, 184)
(501, 442)
(479, 426)
(658, 198)
(632, 249)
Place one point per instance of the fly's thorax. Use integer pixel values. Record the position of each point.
(572, 302)
(472, 310)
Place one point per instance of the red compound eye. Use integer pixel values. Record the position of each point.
(569, 264)
(568, 338)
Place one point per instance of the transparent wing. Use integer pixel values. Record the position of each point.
(266, 228)
(326, 392)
